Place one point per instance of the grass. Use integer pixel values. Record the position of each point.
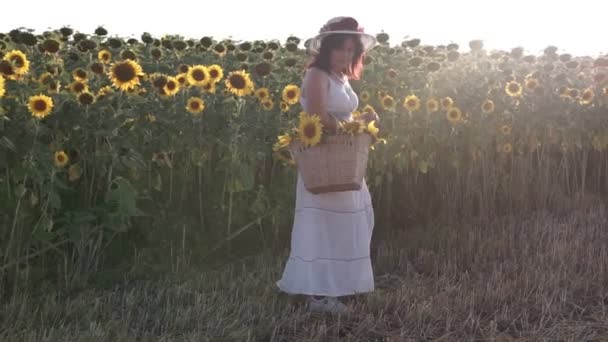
(536, 278)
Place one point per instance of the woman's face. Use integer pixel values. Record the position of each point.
(342, 57)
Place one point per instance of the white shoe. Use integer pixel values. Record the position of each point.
(326, 304)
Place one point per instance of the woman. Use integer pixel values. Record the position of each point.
(330, 242)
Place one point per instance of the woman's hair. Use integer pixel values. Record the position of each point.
(335, 41)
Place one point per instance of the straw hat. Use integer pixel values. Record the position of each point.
(341, 25)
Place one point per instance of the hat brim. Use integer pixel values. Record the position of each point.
(367, 40)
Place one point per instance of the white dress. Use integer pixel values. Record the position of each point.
(331, 233)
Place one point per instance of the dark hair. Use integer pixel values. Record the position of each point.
(335, 41)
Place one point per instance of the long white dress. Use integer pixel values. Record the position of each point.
(331, 233)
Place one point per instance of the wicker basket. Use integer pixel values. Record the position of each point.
(337, 164)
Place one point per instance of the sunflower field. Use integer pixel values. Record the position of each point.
(113, 149)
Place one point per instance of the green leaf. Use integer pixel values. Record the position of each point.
(6, 142)
(54, 200)
(123, 194)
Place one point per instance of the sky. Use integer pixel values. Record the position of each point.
(579, 27)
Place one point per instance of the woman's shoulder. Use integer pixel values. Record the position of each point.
(314, 74)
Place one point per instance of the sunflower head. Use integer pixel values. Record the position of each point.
(262, 94)
(268, 104)
(507, 148)
(182, 79)
(454, 115)
(587, 97)
(411, 103)
(198, 75)
(513, 89)
(283, 141)
(216, 73)
(2, 86)
(98, 68)
(365, 97)
(291, 94)
(40, 106)
(310, 129)
(447, 103)
(505, 129)
(531, 83)
(262, 69)
(19, 62)
(80, 74)
(78, 87)
(239, 83)
(104, 56)
(195, 105)
(388, 102)
(61, 159)
(86, 98)
(432, 105)
(352, 127)
(284, 106)
(488, 106)
(171, 86)
(125, 74)
(368, 109)
(210, 88)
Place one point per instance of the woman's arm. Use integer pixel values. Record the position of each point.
(316, 87)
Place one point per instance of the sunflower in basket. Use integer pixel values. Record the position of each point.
(310, 129)
(351, 127)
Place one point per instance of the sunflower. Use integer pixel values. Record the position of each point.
(365, 96)
(182, 79)
(488, 106)
(454, 114)
(514, 89)
(531, 83)
(40, 106)
(411, 103)
(98, 68)
(291, 94)
(104, 56)
(103, 92)
(78, 87)
(310, 129)
(61, 159)
(388, 102)
(2, 86)
(80, 75)
(86, 98)
(45, 78)
(18, 60)
(262, 94)
(368, 109)
(432, 105)
(507, 148)
(447, 103)
(210, 88)
(505, 129)
(239, 83)
(125, 74)
(171, 86)
(268, 104)
(283, 141)
(198, 75)
(587, 97)
(195, 105)
(285, 157)
(215, 73)
(372, 129)
(352, 127)
(391, 74)
(284, 107)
